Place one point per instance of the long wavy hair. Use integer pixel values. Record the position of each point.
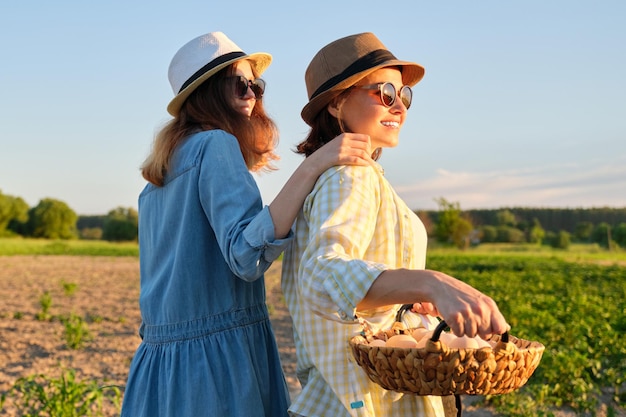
(209, 107)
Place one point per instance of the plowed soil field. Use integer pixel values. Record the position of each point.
(103, 291)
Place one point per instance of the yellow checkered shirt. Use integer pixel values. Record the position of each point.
(352, 227)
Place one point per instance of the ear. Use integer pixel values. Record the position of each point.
(333, 108)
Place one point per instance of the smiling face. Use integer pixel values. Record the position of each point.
(245, 104)
(361, 110)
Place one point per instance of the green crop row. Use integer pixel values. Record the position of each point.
(576, 309)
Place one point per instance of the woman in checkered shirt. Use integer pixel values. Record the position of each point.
(359, 251)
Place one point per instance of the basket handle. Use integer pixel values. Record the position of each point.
(442, 325)
(402, 310)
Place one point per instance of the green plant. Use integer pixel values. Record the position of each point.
(65, 396)
(76, 331)
(95, 318)
(69, 288)
(45, 301)
(576, 309)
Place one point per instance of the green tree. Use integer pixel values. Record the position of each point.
(12, 209)
(462, 232)
(561, 240)
(583, 231)
(536, 233)
(121, 224)
(451, 225)
(507, 234)
(619, 235)
(506, 218)
(602, 235)
(52, 219)
(488, 233)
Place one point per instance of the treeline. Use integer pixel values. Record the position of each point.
(556, 227)
(553, 219)
(54, 219)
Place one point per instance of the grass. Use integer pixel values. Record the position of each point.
(575, 253)
(23, 246)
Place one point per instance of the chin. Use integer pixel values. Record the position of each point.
(385, 144)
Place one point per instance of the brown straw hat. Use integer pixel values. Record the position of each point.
(342, 63)
(201, 58)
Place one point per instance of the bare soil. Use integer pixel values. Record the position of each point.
(105, 295)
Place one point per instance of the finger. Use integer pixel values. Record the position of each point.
(430, 309)
(470, 327)
(496, 322)
(421, 308)
(363, 141)
(456, 324)
(359, 137)
(499, 325)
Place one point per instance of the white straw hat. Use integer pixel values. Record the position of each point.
(202, 57)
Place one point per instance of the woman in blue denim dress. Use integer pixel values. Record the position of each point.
(206, 239)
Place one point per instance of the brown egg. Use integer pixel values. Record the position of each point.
(377, 342)
(422, 343)
(401, 341)
(419, 333)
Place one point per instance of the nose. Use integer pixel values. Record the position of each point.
(398, 106)
(249, 93)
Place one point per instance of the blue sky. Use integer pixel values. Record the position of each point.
(523, 103)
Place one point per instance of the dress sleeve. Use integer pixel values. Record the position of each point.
(232, 203)
(342, 214)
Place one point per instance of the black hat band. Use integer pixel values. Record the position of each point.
(217, 61)
(366, 62)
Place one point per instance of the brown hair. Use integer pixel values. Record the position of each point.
(324, 128)
(208, 107)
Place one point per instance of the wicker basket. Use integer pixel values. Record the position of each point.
(439, 370)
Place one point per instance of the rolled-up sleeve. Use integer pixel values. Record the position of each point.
(334, 273)
(232, 202)
(260, 234)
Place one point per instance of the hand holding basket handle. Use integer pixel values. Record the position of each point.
(440, 327)
(467, 310)
(437, 369)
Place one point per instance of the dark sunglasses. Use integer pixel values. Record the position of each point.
(388, 93)
(241, 85)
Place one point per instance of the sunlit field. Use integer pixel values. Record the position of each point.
(573, 301)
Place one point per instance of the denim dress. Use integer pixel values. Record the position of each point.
(205, 240)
